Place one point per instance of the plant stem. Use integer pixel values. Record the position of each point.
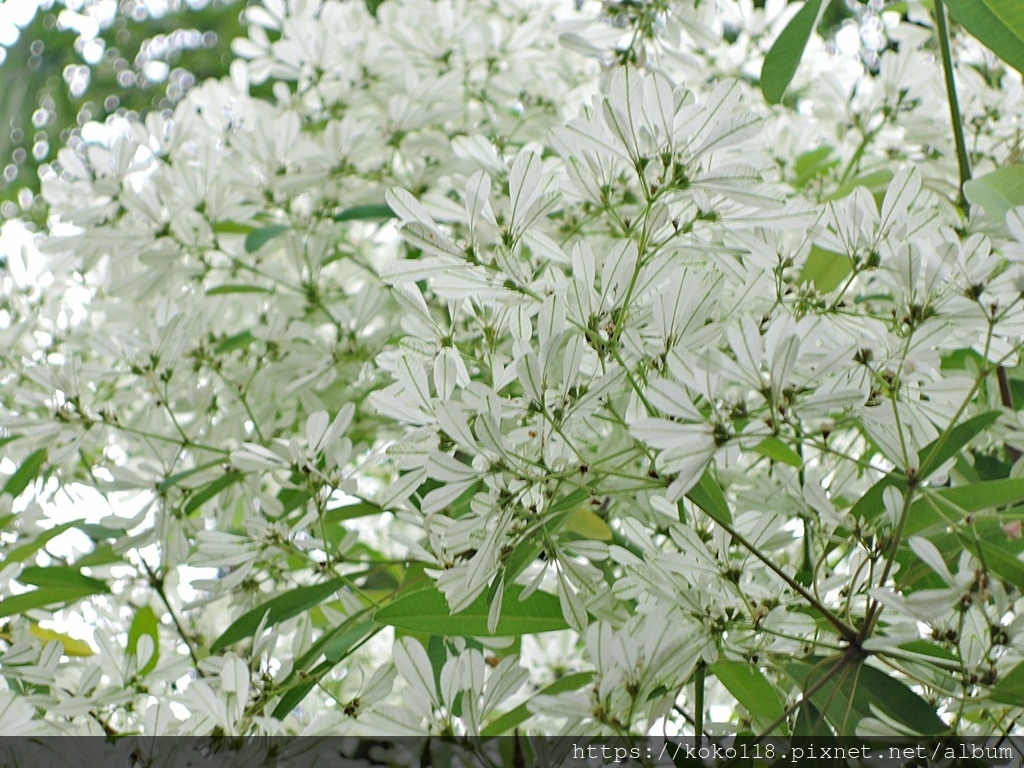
(699, 677)
(157, 582)
(844, 629)
(963, 162)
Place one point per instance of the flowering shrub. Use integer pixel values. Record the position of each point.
(518, 365)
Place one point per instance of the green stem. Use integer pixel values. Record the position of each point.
(157, 583)
(844, 629)
(699, 678)
(962, 159)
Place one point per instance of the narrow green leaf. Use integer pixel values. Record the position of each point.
(707, 495)
(351, 512)
(260, 237)
(585, 524)
(962, 498)
(98, 532)
(426, 610)
(338, 647)
(61, 577)
(232, 343)
(25, 551)
(335, 647)
(825, 269)
(508, 722)
(777, 450)
(875, 182)
(810, 722)
(928, 648)
(812, 164)
(72, 646)
(177, 477)
(781, 62)
(998, 24)
(870, 505)
(278, 609)
(103, 554)
(999, 191)
(857, 691)
(292, 498)
(1009, 689)
(831, 698)
(751, 688)
(26, 473)
(893, 697)
(202, 495)
(559, 513)
(996, 559)
(145, 623)
(935, 453)
(570, 501)
(229, 288)
(365, 212)
(231, 228)
(43, 598)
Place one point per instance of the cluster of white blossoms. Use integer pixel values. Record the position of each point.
(474, 366)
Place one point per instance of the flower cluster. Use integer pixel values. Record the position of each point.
(498, 351)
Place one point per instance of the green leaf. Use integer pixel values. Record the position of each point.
(514, 717)
(893, 697)
(103, 554)
(202, 495)
(44, 598)
(231, 228)
(145, 623)
(812, 164)
(876, 182)
(365, 212)
(962, 498)
(870, 505)
(856, 691)
(260, 237)
(707, 495)
(936, 452)
(825, 269)
(999, 191)
(927, 648)
(98, 532)
(1009, 689)
(177, 477)
(22, 553)
(781, 62)
(280, 608)
(72, 646)
(26, 473)
(996, 559)
(751, 688)
(426, 610)
(352, 512)
(231, 343)
(777, 450)
(585, 524)
(60, 577)
(998, 24)
(335, 645)
(810, 722)
(229, 288)
(559, 513)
